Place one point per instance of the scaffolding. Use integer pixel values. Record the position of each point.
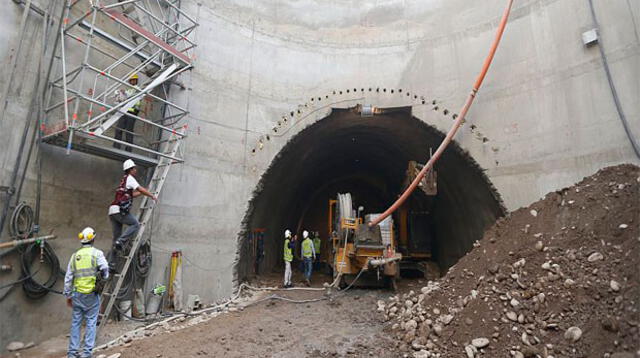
(101, 44)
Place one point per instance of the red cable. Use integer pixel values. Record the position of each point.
(456, 124)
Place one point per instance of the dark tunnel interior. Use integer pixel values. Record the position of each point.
(368, 157)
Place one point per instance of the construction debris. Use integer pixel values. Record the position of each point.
(569, 290)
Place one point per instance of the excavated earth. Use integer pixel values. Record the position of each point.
(559, 278)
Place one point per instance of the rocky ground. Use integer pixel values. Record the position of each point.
(559, 278)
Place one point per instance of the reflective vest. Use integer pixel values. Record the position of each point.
(130, 92)
(85, 265)
(316, 245)
(307, 249)
(288, 253)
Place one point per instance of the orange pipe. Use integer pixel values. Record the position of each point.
(456, 124)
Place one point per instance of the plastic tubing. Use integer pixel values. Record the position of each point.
(456, 124)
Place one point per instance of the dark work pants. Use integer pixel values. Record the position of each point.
(127, 123)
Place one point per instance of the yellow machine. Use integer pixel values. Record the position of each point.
(359, 252)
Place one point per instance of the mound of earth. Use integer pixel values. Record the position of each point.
(559, 278)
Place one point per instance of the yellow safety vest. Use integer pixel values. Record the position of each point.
(307, 250)
(288, 253)
(130, 92)
(84, 266)
(316, 245)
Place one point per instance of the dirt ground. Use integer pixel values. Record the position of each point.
(345, 326)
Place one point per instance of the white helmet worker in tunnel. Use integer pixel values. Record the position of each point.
(308, 256)
(289, 244)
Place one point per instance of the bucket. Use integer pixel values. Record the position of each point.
(153, 304)
(125, 307)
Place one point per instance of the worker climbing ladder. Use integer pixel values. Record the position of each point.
(113, 286)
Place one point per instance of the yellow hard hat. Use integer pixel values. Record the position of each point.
(134, 76)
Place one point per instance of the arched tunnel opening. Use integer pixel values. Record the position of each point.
(368, 157)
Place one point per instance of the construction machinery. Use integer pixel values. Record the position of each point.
(360, 254)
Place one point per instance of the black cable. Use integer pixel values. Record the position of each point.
(612, 86)
(30, 286)
(143, 260)
(22, 221)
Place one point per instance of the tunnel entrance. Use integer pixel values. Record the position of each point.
(368, 158)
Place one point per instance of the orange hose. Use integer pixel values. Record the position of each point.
(456, 124)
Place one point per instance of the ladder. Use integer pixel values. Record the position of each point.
(113, 285)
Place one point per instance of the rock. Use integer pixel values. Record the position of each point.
(470, 351)
(596, 256)
(539, 245)
(569, 283)
(468, 321)
(446, 319)
(29, 345)
(615, 286)
(623, 226)
(514, 302)
(480, 342)
(421, 354)
(512, 316)
(546, 265)
(541, 297)
(437, 329)
(102, 356)
(15, 346)
(115, 355)
(411, 325)
(518, 354)
(533, 212)
(573, 334)
(408, 303)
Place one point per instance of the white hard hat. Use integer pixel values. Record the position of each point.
(287, 233)
(305, 234)
(87, 235)
(128, 164)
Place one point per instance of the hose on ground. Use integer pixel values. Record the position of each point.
(32, 288)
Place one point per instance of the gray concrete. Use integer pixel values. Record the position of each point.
(545, 108)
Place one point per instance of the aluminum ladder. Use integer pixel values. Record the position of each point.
(111, 289)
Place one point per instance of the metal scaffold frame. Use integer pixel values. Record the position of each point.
(116, 39)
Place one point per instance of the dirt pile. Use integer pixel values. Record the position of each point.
(557, 279)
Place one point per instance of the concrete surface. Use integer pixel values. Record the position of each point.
(545, 110)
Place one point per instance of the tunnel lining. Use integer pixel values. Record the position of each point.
(337, 127)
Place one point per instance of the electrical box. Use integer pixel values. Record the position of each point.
(590, 38)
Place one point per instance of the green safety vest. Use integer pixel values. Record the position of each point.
(316, 245)
(84, 266)
(288, 253)
(307, 249)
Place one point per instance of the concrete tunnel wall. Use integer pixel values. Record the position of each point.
(545, 111)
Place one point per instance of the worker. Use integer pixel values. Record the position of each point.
(289, 244)
(126, 123)
(316, 246)
(80, 291)
(120, 208)
(308, 255)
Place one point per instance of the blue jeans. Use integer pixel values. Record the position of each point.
(308, 267)
(85, 307)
